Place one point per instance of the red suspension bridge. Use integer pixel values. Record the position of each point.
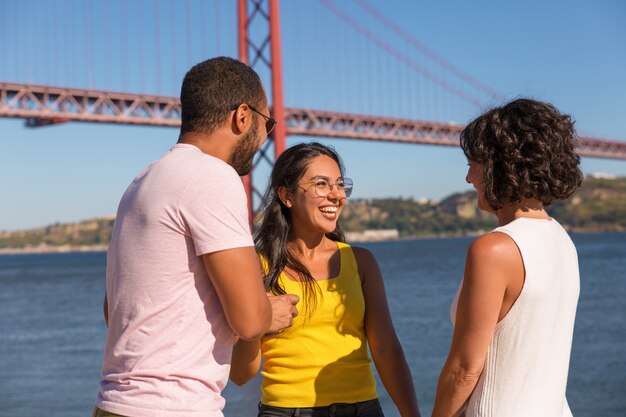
(259, 44)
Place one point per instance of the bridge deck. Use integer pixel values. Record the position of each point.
(42, 105)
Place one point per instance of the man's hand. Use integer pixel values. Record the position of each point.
(283, 311)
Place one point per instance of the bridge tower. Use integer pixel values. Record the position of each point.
(263, 55)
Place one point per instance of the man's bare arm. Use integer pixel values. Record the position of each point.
(236, 276)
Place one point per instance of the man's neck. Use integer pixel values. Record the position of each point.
(213, 144)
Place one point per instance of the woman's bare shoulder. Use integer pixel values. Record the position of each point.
(493, 261)
(363, 255)
(494, 246)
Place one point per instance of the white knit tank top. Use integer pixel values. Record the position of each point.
(527, 362)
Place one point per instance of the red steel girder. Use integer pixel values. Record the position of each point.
(265, 54)
(319, 123)
(54, 105)
(66, 104)
(601, 148)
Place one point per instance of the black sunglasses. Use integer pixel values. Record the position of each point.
(270, 123)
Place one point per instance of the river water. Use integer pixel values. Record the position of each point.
(52, 333)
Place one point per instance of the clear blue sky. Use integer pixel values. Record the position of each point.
(571, 53)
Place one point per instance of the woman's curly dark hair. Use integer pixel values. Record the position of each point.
(527, 150)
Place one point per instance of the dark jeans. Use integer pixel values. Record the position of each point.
(369, 408)
(101, 413)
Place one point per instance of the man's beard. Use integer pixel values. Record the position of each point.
(244, 151)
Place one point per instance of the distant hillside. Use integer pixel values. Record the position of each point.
(88, 233)
(599, 205)
(455, 215)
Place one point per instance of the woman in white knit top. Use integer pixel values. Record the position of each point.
(514, 312)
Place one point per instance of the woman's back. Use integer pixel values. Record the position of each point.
(527, 363)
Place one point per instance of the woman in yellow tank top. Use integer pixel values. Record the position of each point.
(320, 366)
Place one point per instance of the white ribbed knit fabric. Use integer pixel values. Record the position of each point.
(525, 373)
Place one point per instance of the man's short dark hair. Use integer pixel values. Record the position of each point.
(527, 150)
(215, 87)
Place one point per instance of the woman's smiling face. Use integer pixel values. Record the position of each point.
(308, 209)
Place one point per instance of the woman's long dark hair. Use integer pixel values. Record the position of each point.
(272, 237)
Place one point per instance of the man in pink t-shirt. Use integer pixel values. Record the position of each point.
(183, 278)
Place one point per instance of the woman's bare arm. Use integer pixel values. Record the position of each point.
(246, 361)
(385, 347)
(493, 263)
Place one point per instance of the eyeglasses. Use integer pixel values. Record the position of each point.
(323, 186)
(270, 123)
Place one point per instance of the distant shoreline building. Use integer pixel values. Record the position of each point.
(602, 175)
(373, 235)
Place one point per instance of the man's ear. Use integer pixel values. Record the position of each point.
(241, 119)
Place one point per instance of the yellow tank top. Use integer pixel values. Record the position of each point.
(323, 358)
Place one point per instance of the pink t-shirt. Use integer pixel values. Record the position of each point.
(169, 345)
